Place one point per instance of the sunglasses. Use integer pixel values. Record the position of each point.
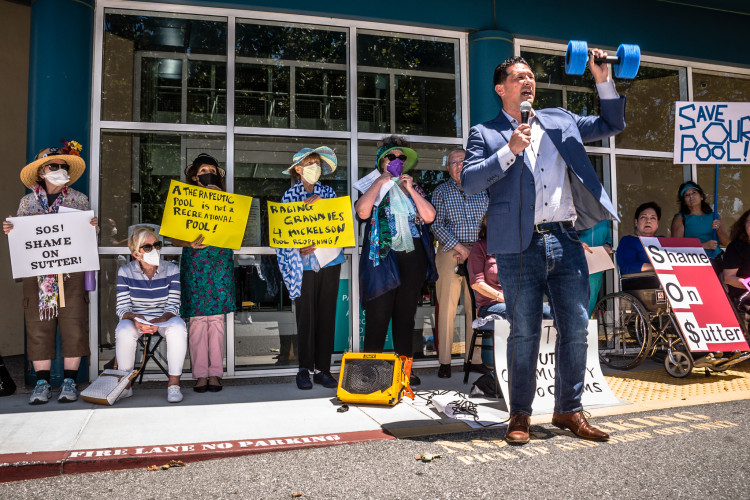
(392, 156)
(149, 246)
(54, 167)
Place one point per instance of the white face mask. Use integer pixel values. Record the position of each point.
(311, 173)
(57, 178)
(152, 257)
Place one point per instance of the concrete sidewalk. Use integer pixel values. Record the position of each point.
(57, 438)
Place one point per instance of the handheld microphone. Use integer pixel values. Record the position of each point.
(525, 111)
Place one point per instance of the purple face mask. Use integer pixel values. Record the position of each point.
(395, 167)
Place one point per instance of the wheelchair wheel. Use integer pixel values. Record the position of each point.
(623, 331)
(678, 364)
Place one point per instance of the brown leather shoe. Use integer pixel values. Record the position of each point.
(578, 425)
(518, 429)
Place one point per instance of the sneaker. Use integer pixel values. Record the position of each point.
(40, 395)
(125, 394)
(414, 380)
(303, 380)
(325, 379)
(68, 391)
(174, 394)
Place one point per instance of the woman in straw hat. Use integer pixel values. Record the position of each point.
(207, 278)
(398, 255)
(313, 285)
(49, 178)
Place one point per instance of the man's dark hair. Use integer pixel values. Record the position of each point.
(646, 206)
(501, 72)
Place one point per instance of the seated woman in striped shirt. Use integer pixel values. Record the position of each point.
(148, 291)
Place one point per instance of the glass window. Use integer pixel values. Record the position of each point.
(164, 69)
(259, 172)
(721, 87)
(265, 328)
(408, 85)
(555, 88)
(650, 109)
(291, 76)
(734, 180)
(136, 171)
(641, 179)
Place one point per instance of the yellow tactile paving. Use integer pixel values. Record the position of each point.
(645, 386)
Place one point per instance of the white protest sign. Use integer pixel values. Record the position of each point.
(596, 392)
(53, 244)
(712, 132)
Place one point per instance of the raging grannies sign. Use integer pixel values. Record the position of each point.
(702, 309)
(712, 132)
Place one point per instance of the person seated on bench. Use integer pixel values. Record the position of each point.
(482, 269)
(148, 289)
(737, 264)
(631, 256)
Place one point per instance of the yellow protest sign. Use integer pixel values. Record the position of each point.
(191, 211)
(326, 224)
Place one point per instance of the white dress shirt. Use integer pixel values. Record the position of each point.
(554, 200)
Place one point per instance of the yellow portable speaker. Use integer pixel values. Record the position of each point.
(374, 378)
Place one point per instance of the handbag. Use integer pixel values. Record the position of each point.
(109, 385)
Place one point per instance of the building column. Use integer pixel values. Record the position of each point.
(60, 65)
(487, 49)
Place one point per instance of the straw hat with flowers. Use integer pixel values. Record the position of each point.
(70, 153)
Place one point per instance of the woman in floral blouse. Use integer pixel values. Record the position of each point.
(207, 277)
(49, 178)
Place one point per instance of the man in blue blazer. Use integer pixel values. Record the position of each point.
(542, 188)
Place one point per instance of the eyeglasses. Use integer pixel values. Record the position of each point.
(150, 246)
(52, 152)
(392, 156)
(54, 167)
(455, 163)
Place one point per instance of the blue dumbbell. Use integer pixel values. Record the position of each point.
(627, 61)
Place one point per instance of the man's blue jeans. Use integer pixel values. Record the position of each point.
(553, 263)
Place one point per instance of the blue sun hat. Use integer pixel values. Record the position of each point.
(411, 155)
(326, 154)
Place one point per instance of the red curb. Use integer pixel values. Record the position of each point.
(20, 466)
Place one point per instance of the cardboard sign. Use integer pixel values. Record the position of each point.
(596, 392)
(700, 305)
(191, 211)
(712, 132)
(326, 224)
(53, 244)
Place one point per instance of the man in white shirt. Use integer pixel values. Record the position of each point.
(542, 188)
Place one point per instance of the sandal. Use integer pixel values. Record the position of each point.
(201, 385)
(216, 387)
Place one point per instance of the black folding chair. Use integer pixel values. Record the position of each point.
(487, 331)
(151, 353)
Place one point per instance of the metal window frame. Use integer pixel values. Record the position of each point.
(230, 131)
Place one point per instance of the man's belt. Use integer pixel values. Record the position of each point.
(551, 227)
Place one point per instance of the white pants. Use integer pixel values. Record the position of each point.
(174, 331)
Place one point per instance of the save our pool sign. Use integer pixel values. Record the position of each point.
(712, 132)
(700, 305)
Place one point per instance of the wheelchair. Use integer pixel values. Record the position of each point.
(638, 323)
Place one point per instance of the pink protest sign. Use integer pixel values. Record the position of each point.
(700, 305)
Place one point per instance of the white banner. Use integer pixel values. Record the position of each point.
(53, 244)
(712, 132)
(596, 392)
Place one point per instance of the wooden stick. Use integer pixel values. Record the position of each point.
(61, 289)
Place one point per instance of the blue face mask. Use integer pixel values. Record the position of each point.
(396, 167)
